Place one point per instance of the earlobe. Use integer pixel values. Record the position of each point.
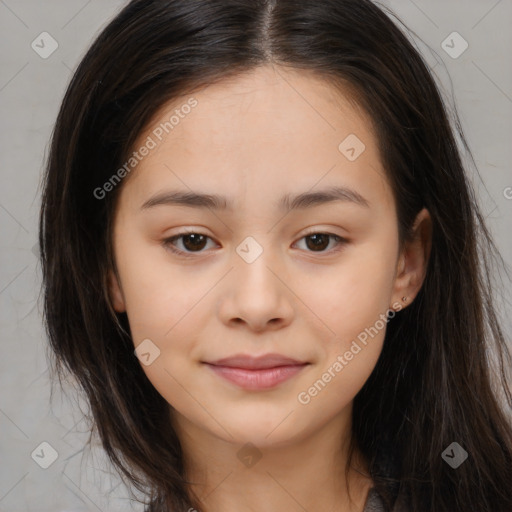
(115, 293)
(413, 261)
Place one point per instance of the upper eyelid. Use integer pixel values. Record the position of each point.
(309, 232)
(312, 231)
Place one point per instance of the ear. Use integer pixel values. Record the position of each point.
(413, 260)
(116, 293)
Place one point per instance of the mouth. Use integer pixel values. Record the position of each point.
(257, 373)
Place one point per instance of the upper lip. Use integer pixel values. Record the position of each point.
(256, 363)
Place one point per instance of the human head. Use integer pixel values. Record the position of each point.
(254, 140)
(155, 52)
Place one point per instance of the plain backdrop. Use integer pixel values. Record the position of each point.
(478, 82)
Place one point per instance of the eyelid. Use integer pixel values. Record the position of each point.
(341, 241)
(167, 242)
(315, 230)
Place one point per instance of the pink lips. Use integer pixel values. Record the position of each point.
(257, 373)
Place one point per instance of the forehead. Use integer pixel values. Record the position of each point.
(262, 104)
(272, 131)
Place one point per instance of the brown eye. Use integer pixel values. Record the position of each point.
(194, 241)
(319, 242)
(191, 242)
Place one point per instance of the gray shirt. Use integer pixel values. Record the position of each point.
(373, 502)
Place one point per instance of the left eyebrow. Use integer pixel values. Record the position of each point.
(287, 202)
(309, 199)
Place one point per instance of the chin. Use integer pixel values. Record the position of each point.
(264, 427)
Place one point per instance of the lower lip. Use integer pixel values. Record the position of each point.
(257, 379)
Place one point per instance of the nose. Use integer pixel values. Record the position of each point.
(257, 295)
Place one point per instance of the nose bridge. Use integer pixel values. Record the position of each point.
(255, 258)
(256, 295)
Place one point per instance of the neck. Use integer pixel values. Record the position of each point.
(302, 474)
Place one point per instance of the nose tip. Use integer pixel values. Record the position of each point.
(255, 297)
(262, 325)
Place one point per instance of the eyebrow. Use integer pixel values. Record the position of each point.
(287, 202)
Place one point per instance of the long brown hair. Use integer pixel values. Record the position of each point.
(444, 362)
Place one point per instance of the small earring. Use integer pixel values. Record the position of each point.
(404, 299)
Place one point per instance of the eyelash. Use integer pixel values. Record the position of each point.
(167, 243)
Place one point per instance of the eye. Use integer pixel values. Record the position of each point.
(192, 242)
(195, 242)
(318, 241)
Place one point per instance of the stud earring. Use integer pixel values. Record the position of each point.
(404, 299)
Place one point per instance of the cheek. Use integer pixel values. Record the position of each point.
(163, 304)
(337, 382)
(353, 295)
(353, 303)
(157, 294)
(167, 305)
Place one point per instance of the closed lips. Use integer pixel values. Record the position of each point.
(257, 373)
(247, 362)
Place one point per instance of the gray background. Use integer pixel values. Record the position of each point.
(31, 89)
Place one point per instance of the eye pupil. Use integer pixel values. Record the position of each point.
(195, 238)
(321, 241)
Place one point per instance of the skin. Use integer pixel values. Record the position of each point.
(253, 139)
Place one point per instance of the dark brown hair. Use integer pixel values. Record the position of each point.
(444, 364)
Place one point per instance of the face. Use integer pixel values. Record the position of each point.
(261, 270)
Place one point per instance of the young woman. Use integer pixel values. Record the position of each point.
(265, 266)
